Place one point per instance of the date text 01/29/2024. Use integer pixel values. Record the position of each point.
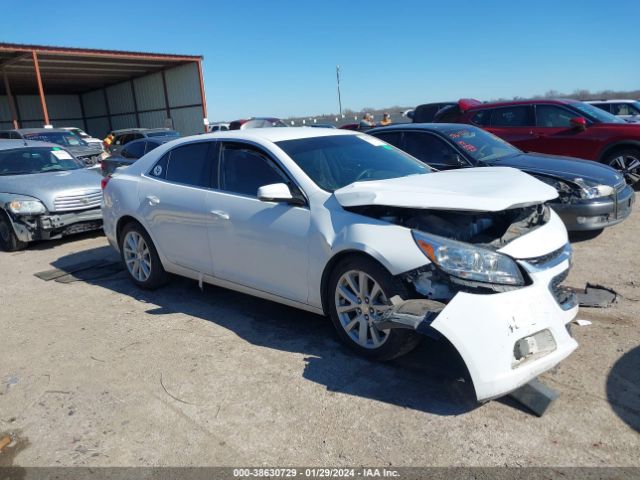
(315, 472)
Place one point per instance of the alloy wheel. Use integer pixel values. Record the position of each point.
(360, 301)
(629, 166)
(137, 256)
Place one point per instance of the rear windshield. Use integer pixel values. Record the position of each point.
(67, 139)
(335, 161)
(28, 160)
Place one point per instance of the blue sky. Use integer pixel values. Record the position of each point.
(278, 57)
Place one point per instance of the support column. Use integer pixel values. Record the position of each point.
(166, 99)
(12, 103)
(43, 102)
(202, 95)
(135, 103)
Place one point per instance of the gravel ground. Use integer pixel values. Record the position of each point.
(98, 373)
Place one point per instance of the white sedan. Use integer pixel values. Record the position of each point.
(342, 224)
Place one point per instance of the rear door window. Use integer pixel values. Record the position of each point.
(392, 138)
(190, 164)
(516, 116)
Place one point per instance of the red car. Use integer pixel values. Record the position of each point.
(558, 127)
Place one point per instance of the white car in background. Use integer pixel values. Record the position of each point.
(84, 136)
(342, 224)
(628, 110)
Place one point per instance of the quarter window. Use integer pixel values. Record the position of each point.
(517, 116)
(245, 169)
(190, 164)
(550, 116)
(429, 149)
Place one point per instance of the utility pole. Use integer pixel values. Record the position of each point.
(338, 78)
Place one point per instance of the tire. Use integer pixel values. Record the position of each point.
(140, 258)
(627, 162)
(349, 322)
(9, 242)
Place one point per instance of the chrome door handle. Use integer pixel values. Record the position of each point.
(153, 200)
(220, 214)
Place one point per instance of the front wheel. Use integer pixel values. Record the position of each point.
(9, 241)
(141, 258)
(627, 162)
(359, 293)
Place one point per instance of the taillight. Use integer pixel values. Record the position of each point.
(104, 181)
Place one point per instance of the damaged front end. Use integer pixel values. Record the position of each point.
(492, 288)
(51, 226)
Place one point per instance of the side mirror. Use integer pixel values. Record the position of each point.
(579, 123)
(276, 192)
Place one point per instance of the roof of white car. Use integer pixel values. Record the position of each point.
(612, 100)
(279, 134)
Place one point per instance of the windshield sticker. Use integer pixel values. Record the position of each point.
(62, 154)
(467, 146)
(157, 170)
(372, 140)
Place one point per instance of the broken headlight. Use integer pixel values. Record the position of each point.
(26, 207)
(468, 261)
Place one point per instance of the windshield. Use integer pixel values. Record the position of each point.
(595, 113)
(67, 139)
(79, 132)
(27, 160)
(164, 133)
(479, 144)
(335, 161)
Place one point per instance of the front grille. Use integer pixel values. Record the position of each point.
(549, 257)
(80, 201)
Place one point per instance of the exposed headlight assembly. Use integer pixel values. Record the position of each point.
(468, 262)
(588, 190)
(26, 207)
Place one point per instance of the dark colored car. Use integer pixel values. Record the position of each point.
(257, 122)
(557, 127)
(120, 138)
(591, 195)
(89, 154)
(426, 112)
(131, 152)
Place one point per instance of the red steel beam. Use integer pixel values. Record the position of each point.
(43, 102)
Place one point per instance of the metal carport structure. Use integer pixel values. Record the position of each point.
(100, 90)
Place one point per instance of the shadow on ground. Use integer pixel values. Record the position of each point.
(432, 378)
(623, 388)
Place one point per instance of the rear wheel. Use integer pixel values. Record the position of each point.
(8, 238)
(627, 162)
(359, 293)
(141, 258)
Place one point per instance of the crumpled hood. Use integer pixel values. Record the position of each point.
(47, 186)
(564, 168)
(487, 189)
(84, 150)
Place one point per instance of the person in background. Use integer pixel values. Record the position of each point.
(386, 120)
(367, 121)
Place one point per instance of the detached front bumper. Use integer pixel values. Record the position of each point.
(52, 226)
(597, 213)
(505, 339)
